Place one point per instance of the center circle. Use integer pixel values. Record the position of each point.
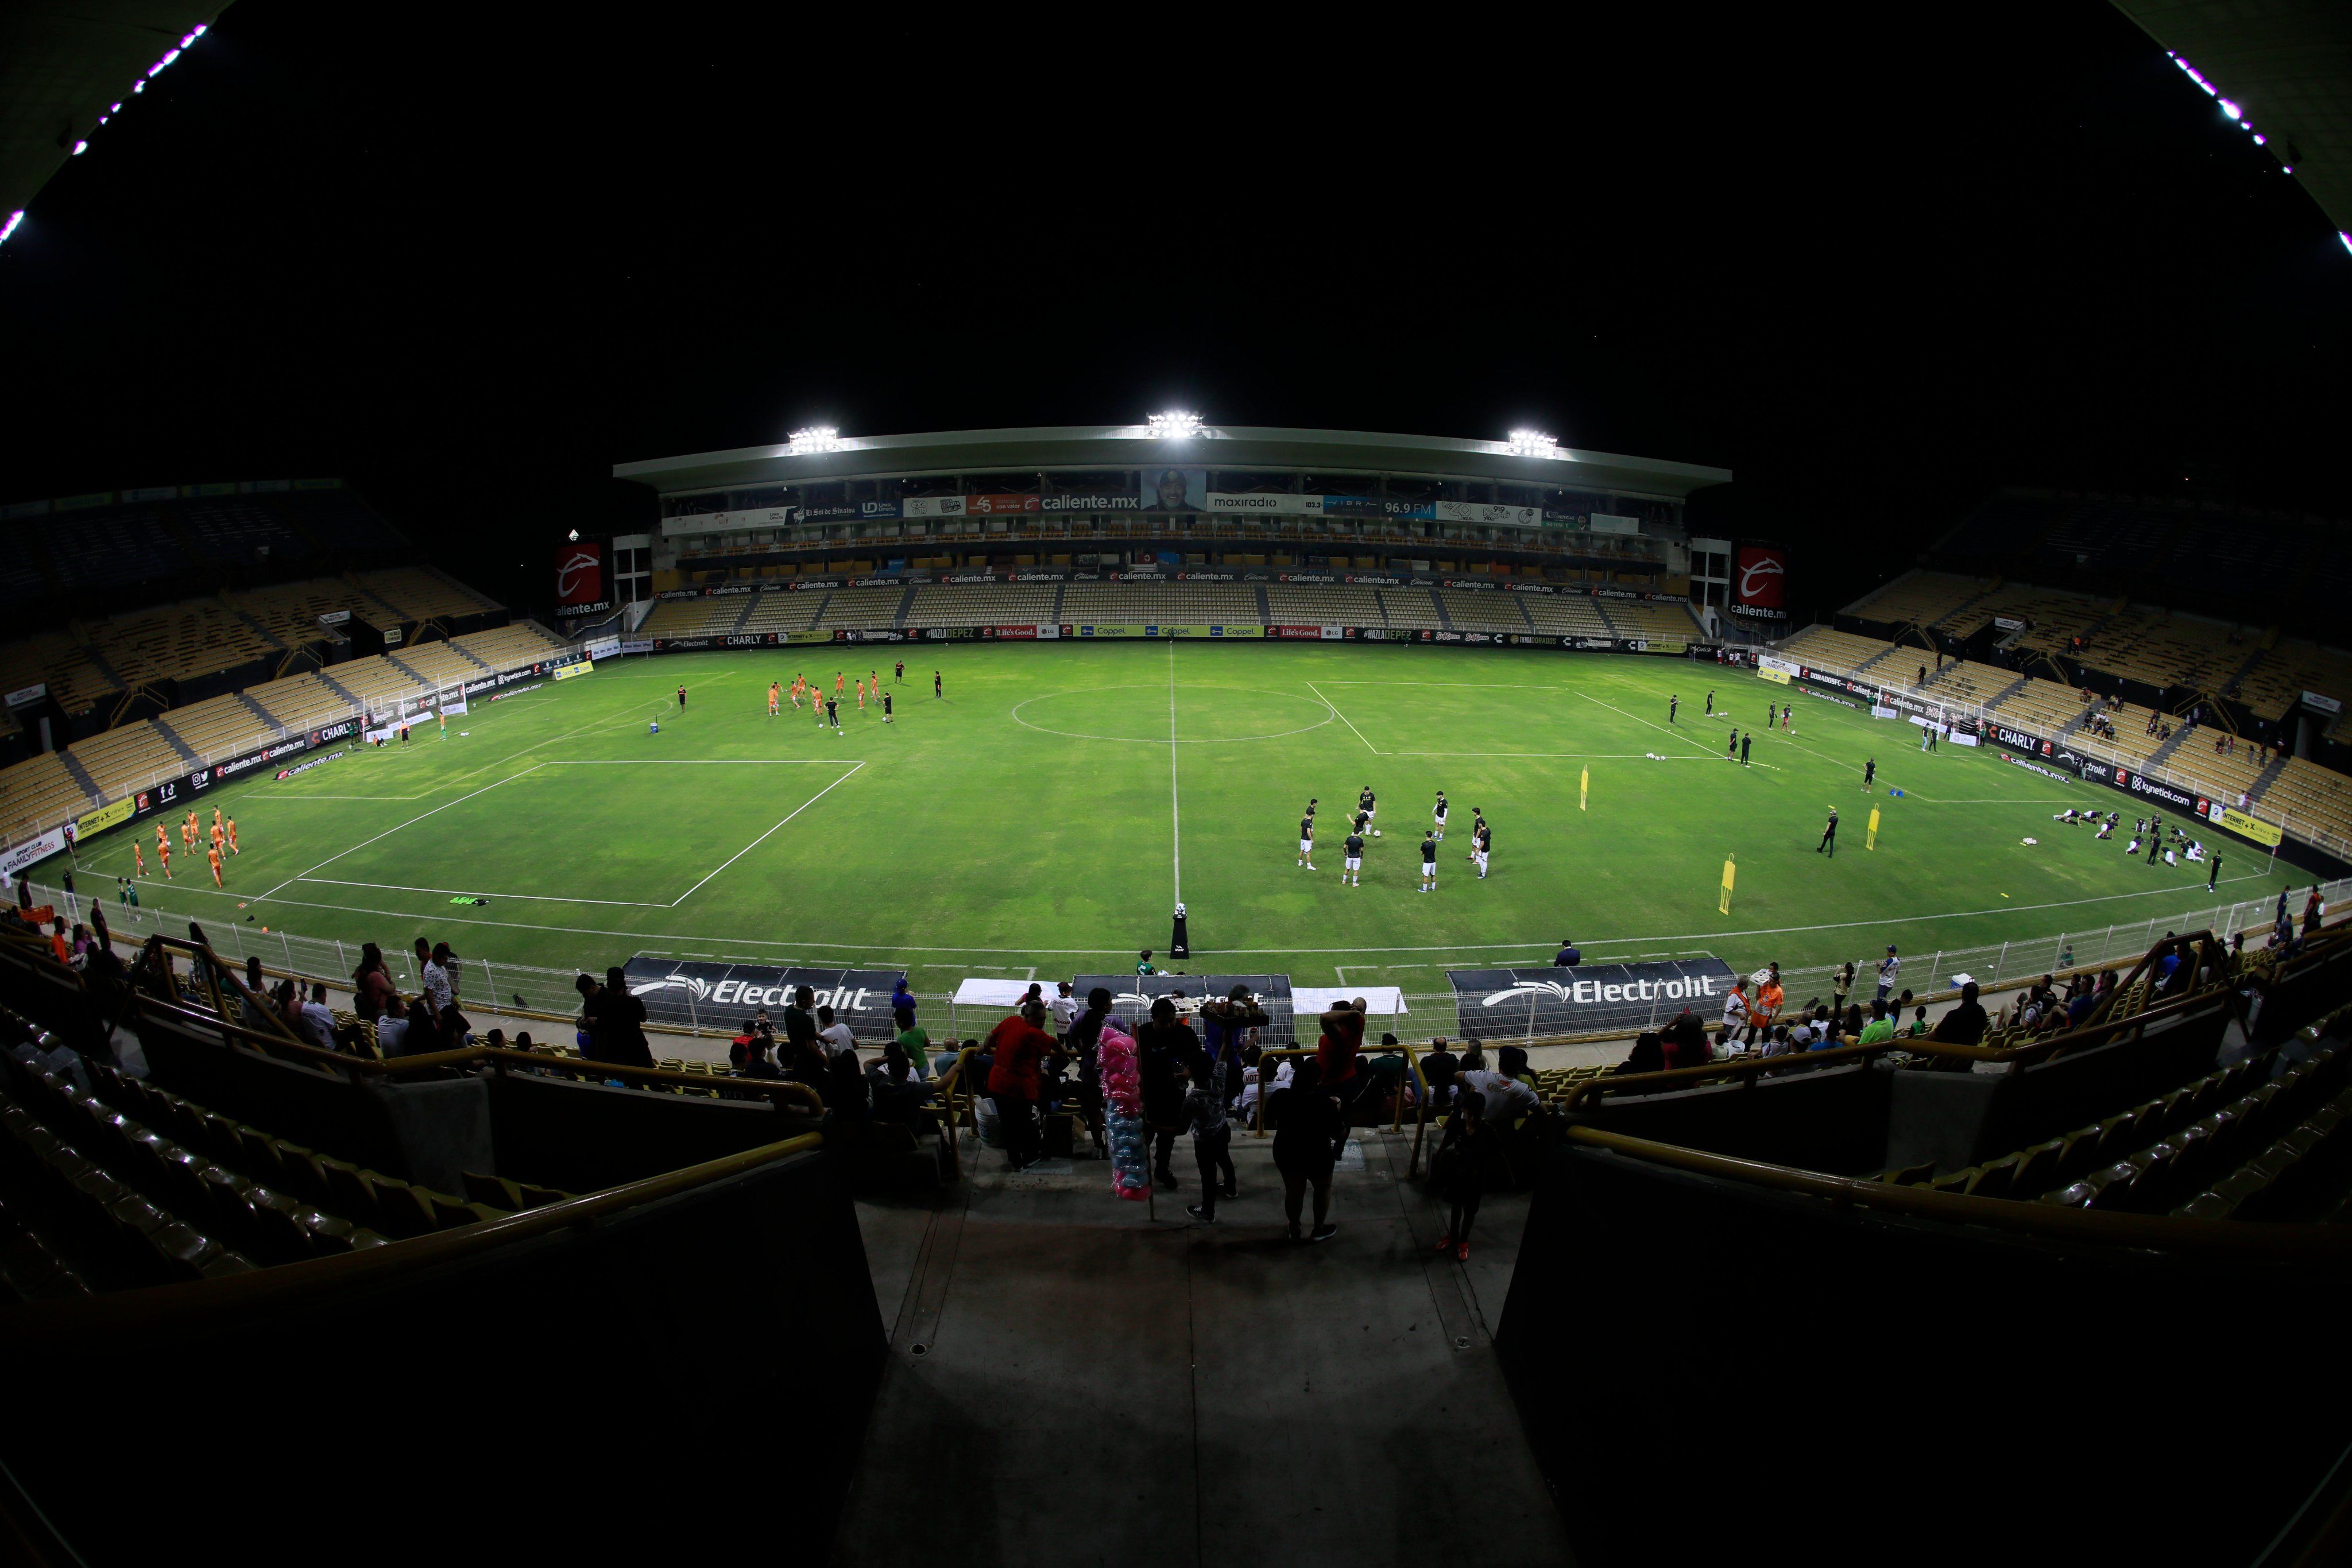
(1204, 714)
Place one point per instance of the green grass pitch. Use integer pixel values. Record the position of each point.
(1041, 817)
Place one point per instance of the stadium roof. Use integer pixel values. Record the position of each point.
(2287, 65)
(61, 67)
(1079, 447)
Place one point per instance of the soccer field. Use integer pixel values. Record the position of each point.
(1045, 814)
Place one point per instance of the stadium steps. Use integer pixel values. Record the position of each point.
(1264, 610)
(393, 660)
(465, 653)
(1957, 610)
(2010, 691)
(259, 628)
(2155, 758)
(1062, 588)
(80, 775)
(906, 602)
(187, 752)
(2229, 685)
(1875, 658)
(1444, 618)
(752, 603)
(263, 714)
(1601, 608)
(366, 592)
(340, 690)
(2262, 780)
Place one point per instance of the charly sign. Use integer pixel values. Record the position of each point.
(1132, 996)
(689, 992)
(1593, 998)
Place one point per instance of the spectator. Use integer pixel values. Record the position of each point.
(897, 1087)
(1965, 1024)
(371, 984)
(750, 1055)
(1212, 1136)
(392, 1029)
(1735, 1014)
(1503, 1098)
(59, 948)
(1161, 1047)
(1464, 1156)
(1779, 1042)
(1568, 957)
(844, 1091)
(1770, 999)
(1306, 1136)
(903, 1001)
(1841, 986)
(621, 1041)
(423, 1036)
(1336, 1050)
(1890, 969)
(1648, 1055)
(1017, 1045)
(1438, 1066)
(313, 1022)
(1228, 1023)
(1919, 1029)
(1881, 1026)
(835, 1037)
(913, 1045)
(1085, 1033)
(435, 976)
(1684, 1041)
(1384, 1077)
(800, 1023)
(1065, 1008)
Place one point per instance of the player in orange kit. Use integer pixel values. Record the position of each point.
(138, 857)
(775, 698)
(861, 697)
(163, 851)
(232, 835)
(217, 835)
(213, 855)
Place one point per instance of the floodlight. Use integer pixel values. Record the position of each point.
(169, 56)
(1173, 425)
(815, 438)
(2230, 109)
(1533, 444)
(79, 147)
(573, 536)
(2260, 140)
(2339, 232)
(10, 226)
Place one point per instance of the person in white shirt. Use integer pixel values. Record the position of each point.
(435, 979)
(1508, 1099)
(836, 1036)
(1065, 1008)
(1735, 1016)
(1890, 969)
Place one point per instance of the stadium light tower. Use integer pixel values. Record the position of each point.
(815, 438)
(1533, 444)
(1173, 425)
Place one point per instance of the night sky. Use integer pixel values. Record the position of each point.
(1874, 274)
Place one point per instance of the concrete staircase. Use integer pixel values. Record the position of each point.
(750, 603)
(906, 602)
(263, 714)
(2264, 779)
(80, 775)
(2010, 691)
(340, 689)
(187, 753)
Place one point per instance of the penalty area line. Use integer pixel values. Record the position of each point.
(763, 838)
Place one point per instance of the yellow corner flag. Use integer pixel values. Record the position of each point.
(1584, 788)
(1870, 838)
(1724, 907)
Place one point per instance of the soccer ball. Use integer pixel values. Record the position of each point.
(1376, 832)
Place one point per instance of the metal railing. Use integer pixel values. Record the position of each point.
(534, 991)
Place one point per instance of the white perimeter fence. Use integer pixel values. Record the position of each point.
(490, 986)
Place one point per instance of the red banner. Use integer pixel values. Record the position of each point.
(1315, 633)
(1029, 632)
(1760, 580)
(579, 575)
(998, 505)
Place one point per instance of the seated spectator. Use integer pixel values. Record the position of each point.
(846, 1094)
(1881, 1026)
(1683, 1042)
(1919, 1029)
(312, 1020)
(423, 1036)
(1506, 1099)
(913, 1043)
(1386, 1076)
(1438, 1066)
(1511, 1062)
(1965, 1024)
(1778, 1042)
(836, 1037)
(1648, 1055)
(391, 1028)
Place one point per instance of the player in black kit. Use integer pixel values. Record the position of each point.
(1307, 840)
(935, 685)
(681, 699)
(1829, 836)
(833, 713)
(1351, 870)
(1672, 704)
(1869, 773)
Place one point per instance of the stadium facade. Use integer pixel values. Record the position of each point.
(1248, 501)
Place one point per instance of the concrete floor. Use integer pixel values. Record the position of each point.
(1072, 1381)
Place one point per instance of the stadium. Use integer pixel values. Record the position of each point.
(771, 959)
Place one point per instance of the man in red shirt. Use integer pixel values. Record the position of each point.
(1335, 1054)
(1018, 1044)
